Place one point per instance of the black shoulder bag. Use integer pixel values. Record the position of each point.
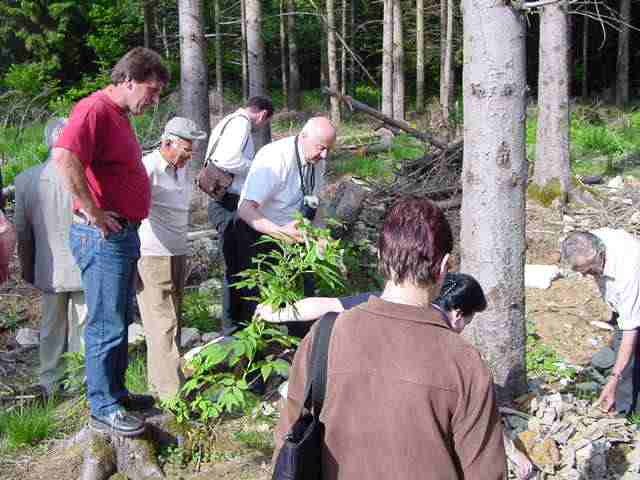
(300, 457)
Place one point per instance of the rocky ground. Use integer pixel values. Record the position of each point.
(554, 423)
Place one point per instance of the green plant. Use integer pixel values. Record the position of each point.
(135, 378)
(279, 274)
(197, 311)
(224, 372)
(28, 424)
(542, 360)
(74, 379)
(255, 440)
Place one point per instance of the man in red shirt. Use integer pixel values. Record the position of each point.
(100, 159)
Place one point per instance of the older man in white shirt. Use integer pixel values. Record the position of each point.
(612, 258)
(285, 177)
(163, 250)
(231, 148)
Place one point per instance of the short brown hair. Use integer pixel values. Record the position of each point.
(139, 64)
(259, 103)
(415, 238)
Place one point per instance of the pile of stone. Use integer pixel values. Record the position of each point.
(568, 438)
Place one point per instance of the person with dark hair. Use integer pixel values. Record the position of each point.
(100, 159)
(405, 394)
(231, 149)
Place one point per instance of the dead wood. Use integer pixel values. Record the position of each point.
(392, 122)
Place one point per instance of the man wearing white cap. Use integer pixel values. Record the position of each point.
(163, 250)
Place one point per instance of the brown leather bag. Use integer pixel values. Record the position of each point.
(211, 179)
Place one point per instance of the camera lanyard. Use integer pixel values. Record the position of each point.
(308, 179)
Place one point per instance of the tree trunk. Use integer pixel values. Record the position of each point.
(193, 72)
(294, 70)
(494, 179)
(343, 49)
(398, 62)
(165, 40)
(622, 65)
(218, 46)
(443, 44)
(332, 58)
(585, 57)
(420, 56)
(551, 169)
(387, 59)
(284, 65)
(255, 54)
(245, 63)
(352, 45)
(149, 13)
(446, 85)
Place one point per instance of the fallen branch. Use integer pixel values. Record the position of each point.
(363, 107)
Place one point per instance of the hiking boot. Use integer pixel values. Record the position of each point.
(133, 401)
(119, 422)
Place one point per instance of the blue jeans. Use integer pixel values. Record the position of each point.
(108, 268)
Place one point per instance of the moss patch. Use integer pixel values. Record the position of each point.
(547, 193)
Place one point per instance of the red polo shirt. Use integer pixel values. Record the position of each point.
(100, 134)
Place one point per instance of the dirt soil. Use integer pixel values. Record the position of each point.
(561, 315)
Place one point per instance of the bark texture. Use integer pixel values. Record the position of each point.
(419, 56)
(585, 57)
(446, 80)
(622, 64)
(398, 62)
(284, 63)
(293, 100)
(387, 58)
(552, 137)
(218, 47)
(494, 178)
(193, 68)
(256, 63)
(332, 57)
(149, 14)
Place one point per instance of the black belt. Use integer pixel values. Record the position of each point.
(80, 217)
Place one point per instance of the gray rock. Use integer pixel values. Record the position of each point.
(212, 287)
(136, 334)
(209, 336)
(189, 337)
(27, 337)
(616, 182)
(588, 386)
(604, 358)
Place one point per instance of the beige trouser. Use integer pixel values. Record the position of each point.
(64, 316)
(160, 300)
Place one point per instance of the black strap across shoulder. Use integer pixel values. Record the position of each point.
(308, 183)
(215, 145)
(316, 384)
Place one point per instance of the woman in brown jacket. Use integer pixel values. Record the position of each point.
(407, 397)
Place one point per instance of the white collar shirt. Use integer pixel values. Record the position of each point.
(274, 180)
(620, 281)
(164, 232)
(235, 149)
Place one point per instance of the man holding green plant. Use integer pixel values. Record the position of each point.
(285, 179)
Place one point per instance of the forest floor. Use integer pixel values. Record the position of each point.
(242, 447)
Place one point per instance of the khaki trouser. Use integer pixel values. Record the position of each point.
(64, 315)
(160, 301)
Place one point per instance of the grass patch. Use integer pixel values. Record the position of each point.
(21, 149)
(27, 425)
(135, 379)
(198, 311)
(262, 441)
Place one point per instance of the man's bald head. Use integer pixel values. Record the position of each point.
(317, 136)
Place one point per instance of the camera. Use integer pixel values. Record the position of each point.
(309, 207)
